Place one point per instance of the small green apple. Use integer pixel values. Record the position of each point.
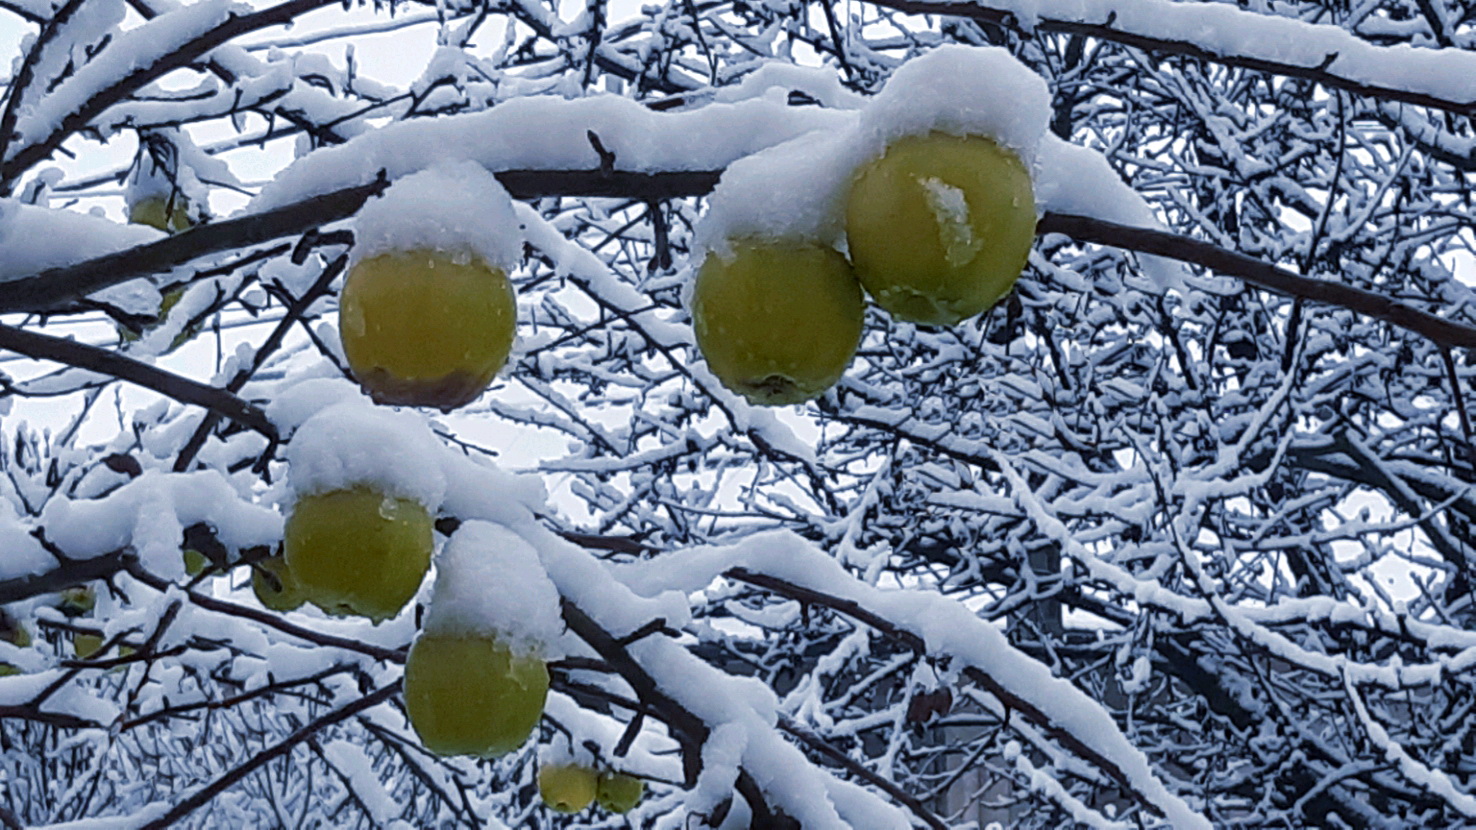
(778, 322)
(618, 792)
(12, 631)
(358, 551)
(567, 788)
(195, 562)
(169, 215)
(86, 645)
(940, 226)
(472, 695)
(423, 328)
(77, 601)
(275, 586)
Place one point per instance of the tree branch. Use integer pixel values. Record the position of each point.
(108, 362)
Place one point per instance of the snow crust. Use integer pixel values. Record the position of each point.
(548, 132)
(357, 444)
(458, 208)
(490, 581)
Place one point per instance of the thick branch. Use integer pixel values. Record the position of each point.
(1108, 31)
(107, 362)
(1260, 274)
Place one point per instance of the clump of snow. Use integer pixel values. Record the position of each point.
(787, 80)
(35, 238)
(963, 90)
(490, 581)
(457, 208)
(358, 444)
(793, 192)
(292, 405)
(23, 555)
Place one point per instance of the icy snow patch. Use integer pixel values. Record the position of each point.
(458, 208)
(490, 581)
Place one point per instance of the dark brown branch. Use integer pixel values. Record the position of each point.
(203, 795)
(69, 573)
(269, 619)
(108, 362)
(1260, 274)
(58, 719)
(54, 287)
(1106, 31)
(980, 678)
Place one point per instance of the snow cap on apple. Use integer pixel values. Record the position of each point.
(962, 91)
(457, 208)
(355, 444)
(490, 582)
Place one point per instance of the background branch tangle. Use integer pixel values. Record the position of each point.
(1234, 521)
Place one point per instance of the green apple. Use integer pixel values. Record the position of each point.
(940, 226)
(358, 551)
(472, 695)
(77, 601)
(275, 586)
(424, 328)
(567, 788)
(779, 322)
(86, 645)
(170, 300)
(169, 215)
(195, 562)
(618, 792)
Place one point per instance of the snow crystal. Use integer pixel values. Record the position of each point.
(458, 208)
(355, 443)
(489, 580)
(962, 90)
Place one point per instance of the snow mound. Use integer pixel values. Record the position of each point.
(963, 90)
(458, 208)
(357, 444)
(489, 580)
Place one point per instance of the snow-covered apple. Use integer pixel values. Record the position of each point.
(778, 322)
(940, 226)
(12, 631)
(618, 792)
(472, 695)
(567, 788)
(359, 550)
(426, 328)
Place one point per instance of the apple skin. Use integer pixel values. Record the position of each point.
(618, 792)
(471, 695)
(779, 322)
(567, 788)
(358, 551)
(275, 586)
(157, 212)
(940, 226)
(421, 328)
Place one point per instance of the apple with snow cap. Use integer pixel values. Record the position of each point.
(359, 535)
(940, 223)
(476, 678)
(427, 314)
